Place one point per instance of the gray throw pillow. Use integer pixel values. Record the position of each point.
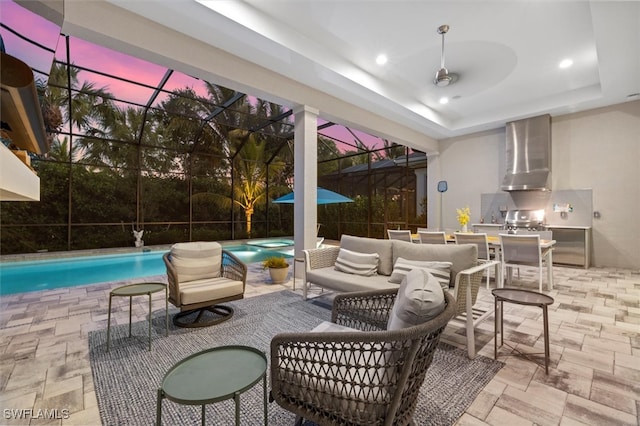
(352, 262)
(440, 270)
(420, 299)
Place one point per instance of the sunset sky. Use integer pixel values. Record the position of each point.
(91, 56)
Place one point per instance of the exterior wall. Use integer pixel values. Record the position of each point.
(597, 149)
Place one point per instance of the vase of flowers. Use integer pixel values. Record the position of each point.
(464, 215)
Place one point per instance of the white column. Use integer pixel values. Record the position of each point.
(421, 189)
(305, 175)
(434, 205)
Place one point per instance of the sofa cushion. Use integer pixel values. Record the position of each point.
(419, 299)
(371, 245)
(440, 270)
(196, 260)
(199, 291)
(462, 256)
(339, 281)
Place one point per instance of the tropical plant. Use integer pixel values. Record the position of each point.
(276, 262)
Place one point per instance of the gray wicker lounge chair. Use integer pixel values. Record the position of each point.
(367, 377)
(201, 276)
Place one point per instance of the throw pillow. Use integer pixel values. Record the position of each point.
(420, 299)
(440, 270)
(352, 262)
(371, 245)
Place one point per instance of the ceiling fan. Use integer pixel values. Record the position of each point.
(443, 77)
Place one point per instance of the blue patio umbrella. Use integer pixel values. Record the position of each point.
(324, 197)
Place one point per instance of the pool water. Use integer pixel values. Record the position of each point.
(18, 277)
(271, 243)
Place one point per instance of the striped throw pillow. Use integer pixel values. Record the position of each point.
(440, 270)
(352, 262)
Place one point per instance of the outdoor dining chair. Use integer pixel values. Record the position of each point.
(480, 240)
(400, 234)
(523, 250)
(432, 237)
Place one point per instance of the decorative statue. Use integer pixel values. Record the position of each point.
(138, 236)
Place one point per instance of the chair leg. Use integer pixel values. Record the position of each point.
(489, 278)
(540, 278)
(221, 314)
(471, 338)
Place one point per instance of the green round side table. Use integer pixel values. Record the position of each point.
(214, 375)
(138, 289)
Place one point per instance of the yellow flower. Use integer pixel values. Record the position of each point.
(464, 215)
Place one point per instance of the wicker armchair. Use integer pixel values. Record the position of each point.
(201, 276)
(368, 377)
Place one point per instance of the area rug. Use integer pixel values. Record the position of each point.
(126, 379)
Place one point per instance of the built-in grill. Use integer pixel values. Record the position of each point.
(530, 220)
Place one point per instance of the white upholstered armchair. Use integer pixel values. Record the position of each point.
(202, 275)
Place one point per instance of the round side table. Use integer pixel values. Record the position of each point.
(521, 297)
(138, 289)
(214, 375)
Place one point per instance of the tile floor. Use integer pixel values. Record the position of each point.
(594, 377)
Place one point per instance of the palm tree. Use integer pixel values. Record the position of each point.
(250, 172)
(89, 105)
(59, 151)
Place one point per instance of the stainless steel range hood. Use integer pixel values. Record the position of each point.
(528, 166)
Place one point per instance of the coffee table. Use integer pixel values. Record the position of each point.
(521, 297)
(214, 375)
(138, 289)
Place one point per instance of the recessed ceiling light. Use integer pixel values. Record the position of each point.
(565, 63)
(381, 59)
(444, 100)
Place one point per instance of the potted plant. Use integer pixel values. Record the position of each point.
(278, 268)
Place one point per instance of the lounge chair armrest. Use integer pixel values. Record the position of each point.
(232, 267)
(467, 284)
(316, 367)
(172, 279)
(364, 310)
(320, 257)
(480, 267)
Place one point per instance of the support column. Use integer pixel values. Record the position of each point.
(305, 183)
(421, 189)
(435, 203)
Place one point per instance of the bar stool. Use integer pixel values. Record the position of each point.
(521, 297)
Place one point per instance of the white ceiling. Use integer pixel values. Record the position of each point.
(506, 53)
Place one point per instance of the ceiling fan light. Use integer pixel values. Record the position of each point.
(442, 78)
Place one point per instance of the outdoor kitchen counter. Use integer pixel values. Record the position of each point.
(573, 245)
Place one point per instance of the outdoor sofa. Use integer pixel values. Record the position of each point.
(455, 265)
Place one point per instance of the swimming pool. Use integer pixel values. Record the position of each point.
(19, 277)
